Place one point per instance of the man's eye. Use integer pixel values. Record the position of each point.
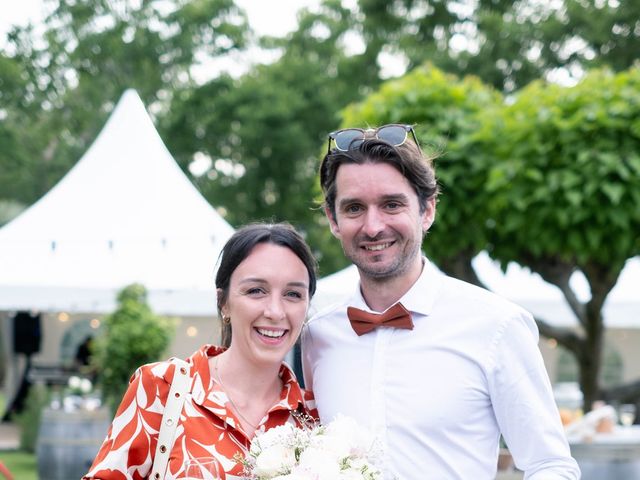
(353, 209)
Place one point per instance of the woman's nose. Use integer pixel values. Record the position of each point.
(274, 308)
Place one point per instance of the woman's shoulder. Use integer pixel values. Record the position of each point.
(164, 370)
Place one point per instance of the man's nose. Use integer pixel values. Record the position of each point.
(373, 223)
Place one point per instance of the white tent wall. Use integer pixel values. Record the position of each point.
(124, 213)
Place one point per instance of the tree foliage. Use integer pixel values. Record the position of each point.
(58, 91)
(564, 177)
(446, 112)
(507, 44)
(262, 130)
(550, 180)
(132, 336)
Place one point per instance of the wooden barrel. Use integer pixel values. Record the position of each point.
(69, 441)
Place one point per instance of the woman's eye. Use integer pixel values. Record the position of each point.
(294, 294)
(255, 291)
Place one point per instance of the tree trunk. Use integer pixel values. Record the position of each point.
(590, 360)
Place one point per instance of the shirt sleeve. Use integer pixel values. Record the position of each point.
(126, 453)
(306, 351)
(524, 406)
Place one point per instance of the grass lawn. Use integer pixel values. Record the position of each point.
(22, 465)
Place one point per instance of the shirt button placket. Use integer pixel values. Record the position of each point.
(378, 392)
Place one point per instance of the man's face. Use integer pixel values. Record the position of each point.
(378, 219)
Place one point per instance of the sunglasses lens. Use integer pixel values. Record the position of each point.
(393, 134)
(348, 139)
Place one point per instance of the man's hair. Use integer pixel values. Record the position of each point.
(407, 158)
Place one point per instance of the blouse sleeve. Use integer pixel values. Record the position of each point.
(127, 451)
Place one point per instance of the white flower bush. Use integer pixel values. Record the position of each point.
(341, 450)
(79, 386)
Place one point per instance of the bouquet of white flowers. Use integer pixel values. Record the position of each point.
(340, 450)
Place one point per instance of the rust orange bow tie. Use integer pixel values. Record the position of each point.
(363, 322)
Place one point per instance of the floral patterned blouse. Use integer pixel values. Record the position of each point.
(207, 427)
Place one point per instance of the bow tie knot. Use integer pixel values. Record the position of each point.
(363, 322)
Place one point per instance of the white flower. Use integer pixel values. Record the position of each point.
(348, 438)
(342, 450)
(322, 462)
(280, 435)
(274, 460)
(295, 476)
(74, 382)
(85, 385)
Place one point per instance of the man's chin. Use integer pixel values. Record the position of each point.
(377, 270)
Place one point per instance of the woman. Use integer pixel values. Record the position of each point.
(264, 282)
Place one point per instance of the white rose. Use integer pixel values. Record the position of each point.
(322, 463)
(273, 460)
(349, 438)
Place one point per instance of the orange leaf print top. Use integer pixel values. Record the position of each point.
(207, 428)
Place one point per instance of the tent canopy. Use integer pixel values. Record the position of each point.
(124, 213)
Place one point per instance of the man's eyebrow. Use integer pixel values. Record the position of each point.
(398, 197)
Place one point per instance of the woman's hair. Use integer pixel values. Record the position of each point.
(240, 245)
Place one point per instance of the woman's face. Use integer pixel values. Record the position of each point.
(267, 302)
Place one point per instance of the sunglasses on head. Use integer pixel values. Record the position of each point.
(394, 134)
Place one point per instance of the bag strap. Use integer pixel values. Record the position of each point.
(170, 418)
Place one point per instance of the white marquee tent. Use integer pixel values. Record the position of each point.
(622, 309)
(125, 213)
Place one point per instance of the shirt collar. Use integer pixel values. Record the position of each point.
(419, 298)
(208, 393)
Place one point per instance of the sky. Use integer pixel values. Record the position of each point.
(264, 16)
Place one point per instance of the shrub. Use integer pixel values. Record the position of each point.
(133, 335)
(29, 419)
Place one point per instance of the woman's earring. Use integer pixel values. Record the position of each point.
(226, 320)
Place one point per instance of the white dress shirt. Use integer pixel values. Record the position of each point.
(438, 396)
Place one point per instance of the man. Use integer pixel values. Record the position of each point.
(453, 366)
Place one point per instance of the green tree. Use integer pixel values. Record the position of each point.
(262, 131)
(564, 178)
(446, 113)
(60, 89)
(132, 336)
(550, 180)
(507, 44)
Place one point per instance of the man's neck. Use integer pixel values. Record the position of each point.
(381, 293)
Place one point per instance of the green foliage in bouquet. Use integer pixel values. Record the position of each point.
(133, 335)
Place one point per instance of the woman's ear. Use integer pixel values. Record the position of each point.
(221, 301)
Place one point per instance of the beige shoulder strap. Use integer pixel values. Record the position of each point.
(170, 418)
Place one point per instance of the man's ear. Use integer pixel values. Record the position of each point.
(429, 215)
(333, 225)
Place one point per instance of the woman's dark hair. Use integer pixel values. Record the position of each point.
(240, 245)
